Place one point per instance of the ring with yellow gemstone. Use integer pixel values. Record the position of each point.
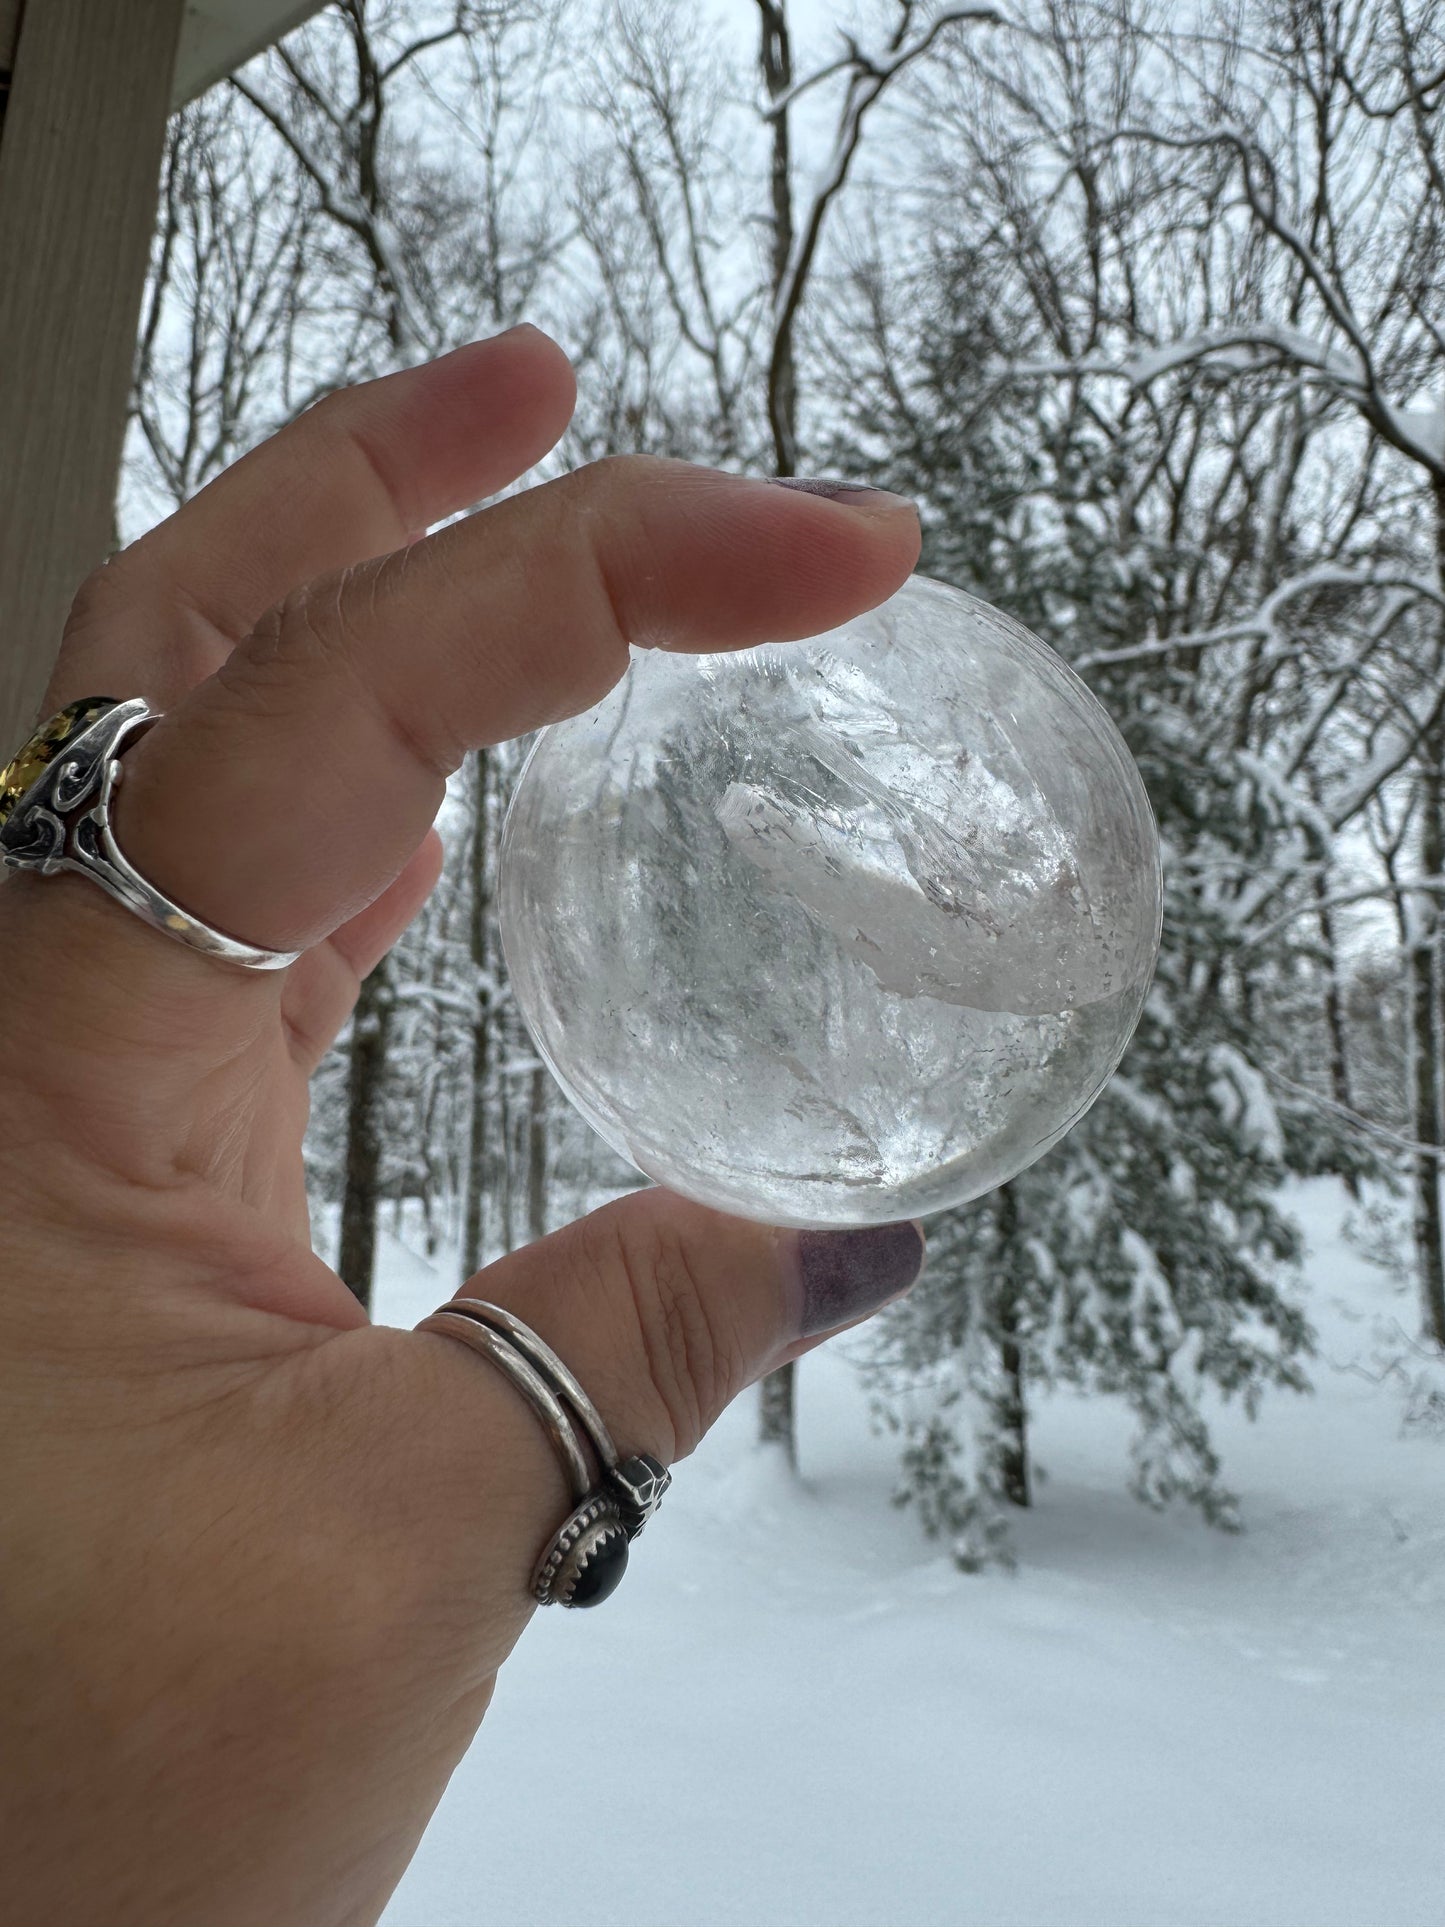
(45, 745)
(55, 806)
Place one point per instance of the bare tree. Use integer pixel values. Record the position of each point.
(798, 216)
(417, 250)
(702, 342)
(233, 292)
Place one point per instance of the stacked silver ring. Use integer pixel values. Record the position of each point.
(584, 1560)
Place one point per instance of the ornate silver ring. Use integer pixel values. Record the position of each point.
(55, 797)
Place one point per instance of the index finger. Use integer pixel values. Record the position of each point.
(316, 757)
(351, 478)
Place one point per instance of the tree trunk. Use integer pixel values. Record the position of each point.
(778, 1411)
(779, 1414)
(1334, 1004)
(1011, 1411)
(370, 1033)
(506, 1138)
(1425, 1080)
(1334, 1008)
(537, 1156)
(482, 1018)
(775, 57)
(1425, 1016)
(1013, 1418)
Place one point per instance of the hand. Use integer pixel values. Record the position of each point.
(262, 1560)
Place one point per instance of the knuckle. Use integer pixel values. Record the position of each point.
(341, 419)
(258, 681)
(313, 628)
(287, 642)
(688, 1369)
(101, 596)
(316, 625)
(625, 566)
(319, 634)
(612, 472)
(632, 471)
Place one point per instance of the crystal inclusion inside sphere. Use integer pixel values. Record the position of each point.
(838, 931)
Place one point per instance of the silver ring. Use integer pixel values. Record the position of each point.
(471, 1331)
(637, 1482)
(584, 1560)
(61, 821)
(497, 1319)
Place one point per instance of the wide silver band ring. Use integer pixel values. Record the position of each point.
(584, 1560)
(62, 822)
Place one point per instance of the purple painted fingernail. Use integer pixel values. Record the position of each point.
(847, 1274)
(839, 491)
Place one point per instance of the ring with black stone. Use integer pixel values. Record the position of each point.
(586, 1559)
(583, 1562)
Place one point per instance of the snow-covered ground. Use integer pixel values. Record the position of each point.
(795, 1713)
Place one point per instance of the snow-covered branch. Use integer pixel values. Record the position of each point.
(1418, 433)
(1264, 622)
(1395, 1139)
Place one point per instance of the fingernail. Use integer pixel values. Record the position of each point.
(848, 493)
(846, 1274)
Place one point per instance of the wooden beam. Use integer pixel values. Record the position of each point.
(79, 164)
(9, 34)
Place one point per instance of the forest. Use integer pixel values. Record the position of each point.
(1145, 307)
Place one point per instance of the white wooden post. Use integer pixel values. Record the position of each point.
(80, 149)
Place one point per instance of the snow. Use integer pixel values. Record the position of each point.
(1420, 429)
(795, 1713)
(1243, 1098)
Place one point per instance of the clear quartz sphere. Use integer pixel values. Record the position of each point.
(839, 931)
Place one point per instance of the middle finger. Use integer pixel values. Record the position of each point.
(316, 756)
(351, 478)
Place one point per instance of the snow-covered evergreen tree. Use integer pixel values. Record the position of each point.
(1146, 1256)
